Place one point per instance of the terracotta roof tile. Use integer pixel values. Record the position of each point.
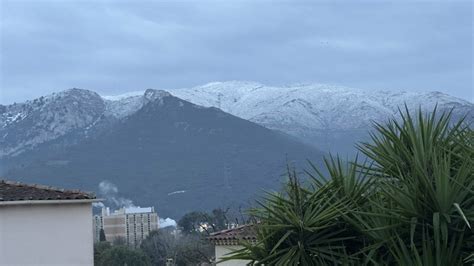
(15, 191)
(234, 235)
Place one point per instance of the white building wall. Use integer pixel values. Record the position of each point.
(46, 234)
(222, 251)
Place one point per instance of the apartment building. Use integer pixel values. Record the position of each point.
(131, 225)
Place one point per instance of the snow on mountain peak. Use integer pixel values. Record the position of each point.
(298, 106)
(153, 95)
(28, 124)
(123, 96)
(123, 105)
(310, 106)
(307, 111)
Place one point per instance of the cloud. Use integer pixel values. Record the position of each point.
(114, 47)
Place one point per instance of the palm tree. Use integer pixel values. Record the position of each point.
(424, 173)
(411, 203)
(299, 225)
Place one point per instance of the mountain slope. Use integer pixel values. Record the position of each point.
(170, 145)
(328, 117)
(25, 125)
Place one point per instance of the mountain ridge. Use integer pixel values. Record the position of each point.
(331, 118)
(168, 145)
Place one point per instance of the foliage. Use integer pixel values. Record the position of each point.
(119, 241)
(299, 226)
(191, 222)
(195, 222)
(102, 235)
(425, 181)
(165, 244)
(412, 203)
(160, 245)
(99, 249)
(193, 250)
(122, 255)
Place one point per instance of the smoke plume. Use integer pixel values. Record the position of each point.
(167, 222)
(110, 193)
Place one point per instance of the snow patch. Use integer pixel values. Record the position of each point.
(123, 96)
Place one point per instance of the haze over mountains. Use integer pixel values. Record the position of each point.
(217, 144)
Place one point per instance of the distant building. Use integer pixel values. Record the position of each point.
(229, 240)
(131, 225)
(42, 225)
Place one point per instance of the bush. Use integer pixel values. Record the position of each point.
(99, 249)
(122, 255)
(182, 249)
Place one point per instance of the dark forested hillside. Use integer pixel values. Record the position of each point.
(207, 157)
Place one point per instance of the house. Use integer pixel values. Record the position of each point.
(130, 224)
(229, 240)
(41, 225)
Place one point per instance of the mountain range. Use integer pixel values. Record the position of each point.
(210, 146)
(169, 153)
(330, 118)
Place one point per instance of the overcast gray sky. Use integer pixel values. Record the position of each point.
(118, 46)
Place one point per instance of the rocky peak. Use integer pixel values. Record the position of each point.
(153, 95)
(46, 118)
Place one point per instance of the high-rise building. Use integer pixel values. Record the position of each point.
(130, 225)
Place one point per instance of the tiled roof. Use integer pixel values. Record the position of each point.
(15, 191)
(234, 235)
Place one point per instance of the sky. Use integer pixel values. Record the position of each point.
(113, 47)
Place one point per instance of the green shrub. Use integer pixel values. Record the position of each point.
(123, 256)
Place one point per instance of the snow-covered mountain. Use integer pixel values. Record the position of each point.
(329, 117)
(213, 139)
(25, 125)
(314, 106)
(168, 145)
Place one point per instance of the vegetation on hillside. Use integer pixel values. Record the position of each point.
(410, 203)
